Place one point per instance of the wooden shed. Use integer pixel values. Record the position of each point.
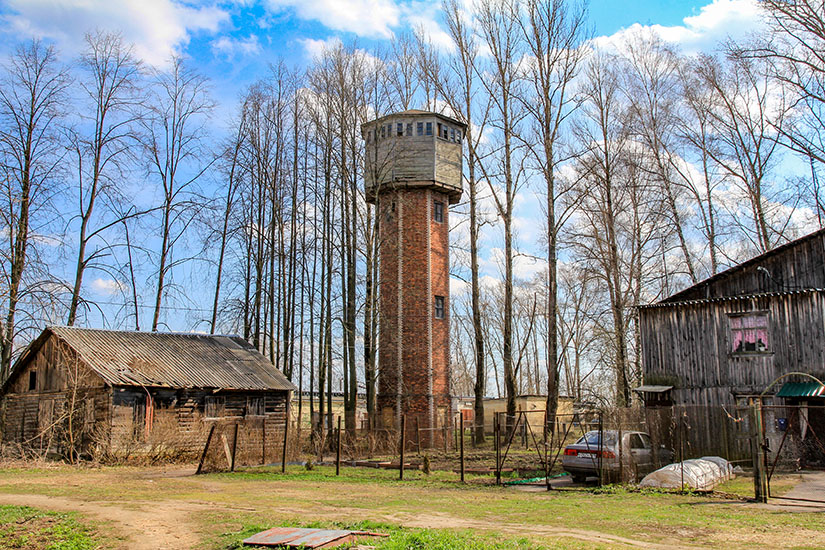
(123, 392)
(726, 340)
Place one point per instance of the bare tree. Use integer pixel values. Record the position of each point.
(103, 146)
(794, 49)
(747, 111)
(498, 26)
(554, 31)
(174, 129)
(32, 102)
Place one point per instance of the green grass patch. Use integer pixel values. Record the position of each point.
(398, 539)
(25, 527)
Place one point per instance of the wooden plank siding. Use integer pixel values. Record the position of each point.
(688, 345)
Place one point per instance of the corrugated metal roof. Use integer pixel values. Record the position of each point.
(801, 389)
(175, 360)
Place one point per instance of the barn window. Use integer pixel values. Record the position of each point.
(399, 129)
(419, 128)
(409, 128)
(214, 406)
(439, 307)
(254, 406)
(429, 128)
(32, 380)
(749, 333)
(438, 211)
(452, 134)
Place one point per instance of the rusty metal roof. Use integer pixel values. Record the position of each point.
(174, 360)
(296, 537)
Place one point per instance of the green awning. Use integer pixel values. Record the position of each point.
(801, 389)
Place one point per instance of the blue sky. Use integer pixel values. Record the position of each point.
(233, 42)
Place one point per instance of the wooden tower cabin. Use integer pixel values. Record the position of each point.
(413, 173)
(735, 339)
(122, 392)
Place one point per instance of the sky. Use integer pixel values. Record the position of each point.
(233, 43)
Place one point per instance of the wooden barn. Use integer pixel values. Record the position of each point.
(127, 392)
(725, 341)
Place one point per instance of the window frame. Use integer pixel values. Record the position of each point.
(399, 129)
(33, 380)
(428, 129)
(764, 327)
(255, 406)
(218, 404)
(419, 128)
(438, 211)
(440, 307)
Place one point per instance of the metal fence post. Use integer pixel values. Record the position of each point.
(401, 462)
(461, 440)
(338, 449)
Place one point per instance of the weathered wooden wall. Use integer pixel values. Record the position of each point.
(413, 160)
(38, 418)
(688, 345)
(179, 425)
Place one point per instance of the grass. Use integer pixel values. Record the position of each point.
(436, 511)
(24, 527)
(397, 539)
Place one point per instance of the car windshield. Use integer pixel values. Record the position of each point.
(592, 438)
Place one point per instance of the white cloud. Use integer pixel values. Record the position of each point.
(525, 266)
(424, 16)
(231, 47)
(458, 287)
(316, 48)
(374, 18)
(701, 32)
(108, 287)
(158, 28)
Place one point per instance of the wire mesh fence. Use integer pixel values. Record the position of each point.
(586, 447)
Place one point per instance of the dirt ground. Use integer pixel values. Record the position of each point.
(171, 509)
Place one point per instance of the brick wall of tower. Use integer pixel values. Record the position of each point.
(414, 268)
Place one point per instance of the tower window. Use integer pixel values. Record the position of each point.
(383, 134)
(438, 129)
(32, 380)
(389, 130)
(409, 128)
(439, 307)
(429, 128)
(419, 128)
(399, 129)
(452, 134)
(438, 211)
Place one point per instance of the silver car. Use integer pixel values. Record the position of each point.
(584, 457)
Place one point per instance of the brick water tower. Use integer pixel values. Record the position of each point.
(412, 174)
